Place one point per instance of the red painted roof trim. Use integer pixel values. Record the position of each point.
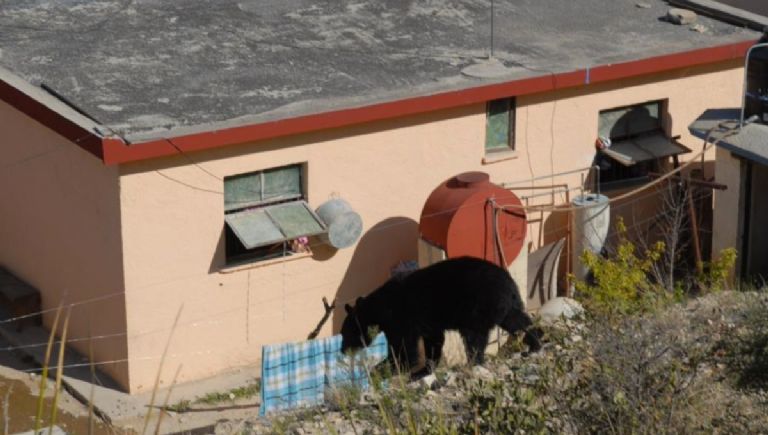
(115, 151)
(62, 125)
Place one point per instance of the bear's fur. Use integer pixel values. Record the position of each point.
(466, 294)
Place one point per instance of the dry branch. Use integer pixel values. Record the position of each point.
(328, 310)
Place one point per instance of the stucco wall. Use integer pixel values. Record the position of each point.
(727, 210)
(60, 232)
(172, 214)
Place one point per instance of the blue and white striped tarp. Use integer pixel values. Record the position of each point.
(298, 374)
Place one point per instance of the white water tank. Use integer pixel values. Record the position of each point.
(591, 221)
(344, 224)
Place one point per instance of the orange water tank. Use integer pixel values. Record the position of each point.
(458, 217)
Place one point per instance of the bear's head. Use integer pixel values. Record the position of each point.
(354, 330)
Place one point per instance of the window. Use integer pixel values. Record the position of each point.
(639, 144)
(500, 125)
(266, 214)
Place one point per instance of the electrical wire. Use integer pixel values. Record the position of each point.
(207, 320)
(304, 290)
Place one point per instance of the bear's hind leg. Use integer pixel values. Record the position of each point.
(518, 320)
(475, 343)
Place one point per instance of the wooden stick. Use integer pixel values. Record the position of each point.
(328, 310)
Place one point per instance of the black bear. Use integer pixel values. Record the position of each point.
(465, 294)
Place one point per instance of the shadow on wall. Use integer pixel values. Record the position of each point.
(378, 251)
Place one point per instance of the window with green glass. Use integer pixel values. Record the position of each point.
(500, 125)
(266, 213)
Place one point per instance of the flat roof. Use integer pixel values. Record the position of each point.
(717, 126)
(149, 69)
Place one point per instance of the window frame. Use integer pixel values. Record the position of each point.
(617, 177)
(511, 115)
(235, 252)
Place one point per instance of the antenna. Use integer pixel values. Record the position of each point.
(492, 19)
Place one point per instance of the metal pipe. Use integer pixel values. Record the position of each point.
(744, 95)
(492, 19)
(597, 177)
(544, 177)
(539, 187)
(549, 193)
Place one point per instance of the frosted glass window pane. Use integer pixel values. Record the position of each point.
(630, 121)
(295, 219)
(497, 124)
(282, 183)
(254, 228)
(242, 191)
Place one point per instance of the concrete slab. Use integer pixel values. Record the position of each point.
(752, 13)
(750, 142)
(119, 408)
(146, 67)
(54, 431)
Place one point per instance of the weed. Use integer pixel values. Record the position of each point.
(181, 406)
(716, 273)
(244, 392)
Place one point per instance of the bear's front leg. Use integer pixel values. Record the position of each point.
(433, 349)
(475, 343)
(403, 352)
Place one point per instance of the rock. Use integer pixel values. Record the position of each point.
(366, 398)
(699, 28)
(643, 5)
(428, 381)
(559, 308)
(482, 372)
(451, 379)
(681, 16)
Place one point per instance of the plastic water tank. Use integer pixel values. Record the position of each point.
(591, 221)
(458, 218)
(344, 224)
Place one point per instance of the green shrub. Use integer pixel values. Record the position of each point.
(621, 281)
(715, 273)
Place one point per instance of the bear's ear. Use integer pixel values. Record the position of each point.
(359, 299)
(347, 308)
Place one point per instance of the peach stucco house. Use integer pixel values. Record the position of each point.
(120, 178)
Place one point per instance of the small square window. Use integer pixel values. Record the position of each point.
(500, 125)
(265, 214)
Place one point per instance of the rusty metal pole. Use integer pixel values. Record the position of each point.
(694, 228)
